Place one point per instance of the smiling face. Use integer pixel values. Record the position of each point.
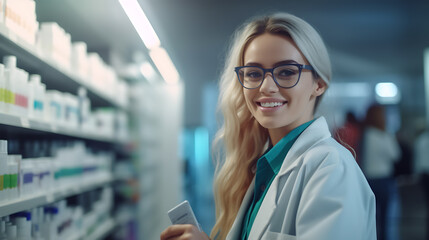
(278, 109)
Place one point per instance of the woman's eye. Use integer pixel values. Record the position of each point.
(253, 74)
(286, 72)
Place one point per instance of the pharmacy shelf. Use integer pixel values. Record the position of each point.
(123, 218)
(16, 125)
(26, 203)
(53, 75)
(100, 232)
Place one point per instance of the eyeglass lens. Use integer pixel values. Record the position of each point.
(286, 76)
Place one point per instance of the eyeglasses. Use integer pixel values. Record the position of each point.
(285, 76)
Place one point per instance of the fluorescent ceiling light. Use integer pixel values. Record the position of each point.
(386, 89)
(387, 93)
(140, 23)
(164, 64)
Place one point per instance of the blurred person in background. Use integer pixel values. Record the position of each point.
(421, 167)
(350, 134)
(380, 151)
(282, 175)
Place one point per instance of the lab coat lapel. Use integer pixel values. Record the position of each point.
(314, 133)
(235, 231)
(265, 212)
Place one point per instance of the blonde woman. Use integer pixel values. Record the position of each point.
(282, 175)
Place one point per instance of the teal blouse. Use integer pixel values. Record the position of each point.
(267, 169)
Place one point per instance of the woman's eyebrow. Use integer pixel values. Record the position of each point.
(289, 61)
(253, 64)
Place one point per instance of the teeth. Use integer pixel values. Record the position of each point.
(271, 104)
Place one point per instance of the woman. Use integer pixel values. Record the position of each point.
(380, 151)
(282, 176)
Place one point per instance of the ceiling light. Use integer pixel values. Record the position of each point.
(140, 23)
(387, 93)
(164, 64)
(386, 89)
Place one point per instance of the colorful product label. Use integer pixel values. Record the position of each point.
(21, 100)
(6, 181)
(57, 108)
(68, 172)
(2, 92)
(13, 180)
(38, 105)
(27, 178)
(9, 97)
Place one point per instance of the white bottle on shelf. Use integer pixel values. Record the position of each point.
(23, 225)
(30, 24)
(84, 106)
(2, 10)
(41, 95)
(9, 15)
(45, 40)
(10, 77)
(55, 44)
(21, 93)
(14, 162)
(37, 216)
(26, 181)
(9, 172)
(45, 103)
(32, 95)
(3, 235)
(50, 224)
(66, 50)
(11, 231)
(36, 95)
(3, 169)
(79, 62)
(2, 87)
(25, 91)
(12, 16)
(54, 107)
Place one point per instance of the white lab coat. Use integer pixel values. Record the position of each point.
(319, 193)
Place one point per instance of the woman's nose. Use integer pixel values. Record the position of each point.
(269, 85)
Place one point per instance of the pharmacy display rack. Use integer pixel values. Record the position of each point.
(54, 75)
(59, 78)
(22, 125)
(21, 204)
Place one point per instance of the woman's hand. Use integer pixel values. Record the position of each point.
(183, 232)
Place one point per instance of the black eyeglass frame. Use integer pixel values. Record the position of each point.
(271, 70)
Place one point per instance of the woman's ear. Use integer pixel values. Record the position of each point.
(319, 87)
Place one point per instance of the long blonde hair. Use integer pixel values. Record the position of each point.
(241, 139)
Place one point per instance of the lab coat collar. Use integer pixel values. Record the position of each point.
(316, 132)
